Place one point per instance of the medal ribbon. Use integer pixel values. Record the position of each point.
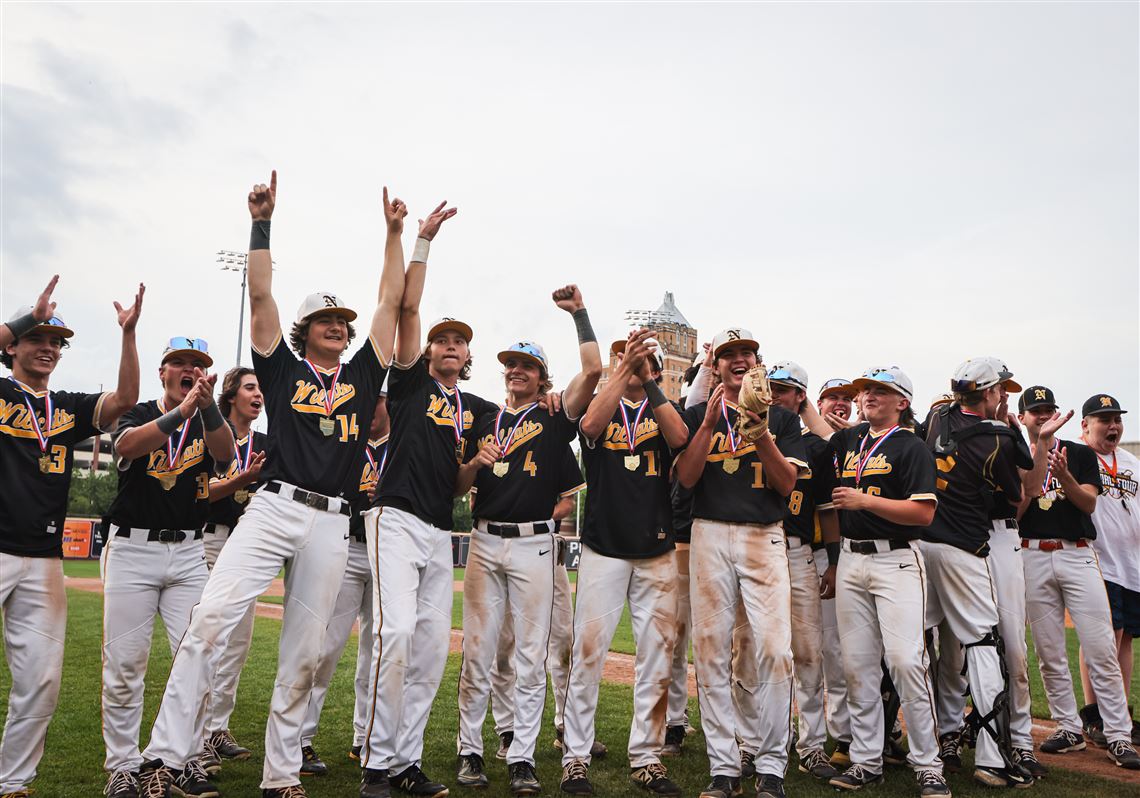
(514, 429)
(243, 462)
(172, 453)
(43, 435)
(1049, 471)
(376, 469)
(731, 435)
(863, 460)
(1103, 462)
(456, 411)
(631, 431)
(330, 393)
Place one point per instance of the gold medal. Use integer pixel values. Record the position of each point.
(327, 427)
(500, 468)
(241, 496)
(45, 464)
(167, 480)
(1044, 503)
(730, 465)
(632, 461)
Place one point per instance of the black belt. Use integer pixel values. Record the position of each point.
(816, 546)
(317, 501)
(518, 530)
(1010, 523)
(869, 547)
(359, 537)
(159, 535)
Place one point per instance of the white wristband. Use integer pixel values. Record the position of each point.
(420, 252)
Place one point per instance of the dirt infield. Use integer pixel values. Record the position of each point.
(619, 669)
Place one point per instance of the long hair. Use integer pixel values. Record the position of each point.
(230, 385)
(300, 332)
(464, 373)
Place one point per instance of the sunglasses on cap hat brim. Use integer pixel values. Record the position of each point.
(53, 326)
(521, 354)
(782, 376)
(189, 348)
(880, 377)
(838, 388)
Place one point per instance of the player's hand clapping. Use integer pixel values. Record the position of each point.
(712, 409)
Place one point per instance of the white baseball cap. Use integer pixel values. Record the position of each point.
(448, 323)
(323, 302)
(788, 372)
(53, 326)
(1003, 371)
(976, 374)
(526, 350)
(734, 336)
(838, 385)
(892, 377)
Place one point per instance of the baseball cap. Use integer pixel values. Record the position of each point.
(734, 336)
(54, 325)
(195, 348)
(891, 376)
(323, 302)
(1003, 371)
(448, 323)
(976, 374)
(526, 350)
(1035, 396)
(788, 372)
(1100, 403)
(941, 399)
(838, 385)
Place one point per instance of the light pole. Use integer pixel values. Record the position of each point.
(236, 262)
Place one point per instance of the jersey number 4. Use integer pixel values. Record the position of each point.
(348, 428)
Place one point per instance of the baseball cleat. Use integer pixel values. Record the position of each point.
(558, 735)
(1136, 732)
(1029, 762)
(226, 746)
(816, 763)
(354, 752)
(505, 740)
(1123, 755)
(23, 792)
(653, 778)
(292, 791)
(413, 781)
(747, 764)
(769, 786)
(932, 783)
(723, 787)
(1062, 742)
(121, 784)
(598, 750)
(1093, 726)
(674, 741)
(155, 780)
(894, 753)
(374, 784)
(209, 760)
(523, 779)
(856, 777)
(469, 772)
(950, 751)
(1002, 778)
(311, 763)
(193, 782)
(576, 779)
(841, 756)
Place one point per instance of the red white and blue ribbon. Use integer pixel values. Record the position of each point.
(243, 462)
(376, 469)
(330, 393)
(630, 432)
(728, 424)
(457, 410)
(174, 452)
(42, 435)
(863, 460)
(498, 425)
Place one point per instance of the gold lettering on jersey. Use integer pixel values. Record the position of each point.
(368, 477)
(527, 431)
(192, 455)
(15, 420)
(615, 437)
(877, 465)
(309, 398)
(720, 451)
(440, 412)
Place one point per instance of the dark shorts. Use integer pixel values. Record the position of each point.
(1125, 607)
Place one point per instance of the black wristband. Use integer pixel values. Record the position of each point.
(585, 329)
(170, 422)
(653, 393)
(212, 417)
(259, 235)
(23, 325)
(832, 553)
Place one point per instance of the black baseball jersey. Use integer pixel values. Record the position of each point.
(423, 452)
(572, 481)
(974, 476)
(227, 510)
(901, 468)
(529, 479)
(375, 461)
(813, 488)
(33, 504)
(1062, 520)
(681, 499)
(628, 511)
(299, 452)
(732, 487)
(153, 494)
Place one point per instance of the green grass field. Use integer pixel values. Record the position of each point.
(72, 765)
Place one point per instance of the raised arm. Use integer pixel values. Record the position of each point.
(408, 341)
(219, 436)
(126, 393)
(42, 311)
(137, 441)
(391, 279)
(668, 419)
(602, 408)
(581, 387)
(264, 320)
(691, 464)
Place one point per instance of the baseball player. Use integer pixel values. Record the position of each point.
(353, 602)
(739, 554)
(516, 470)
(978, 458)
(39, 429)
(318, 405)
(1117, 544)
(240, 402)
(627, 434)
(1062, 573)
(153, 560)
(886, 495)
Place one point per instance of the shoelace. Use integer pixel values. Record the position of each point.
(576, 770)
(156, 783)
(294, 791)
(119, 779)
(225, 738)
(195, 772)
(475, 763)
(858, 772)
(928, 778)
(1120, 748)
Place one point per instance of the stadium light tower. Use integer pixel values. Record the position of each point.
(237, 262)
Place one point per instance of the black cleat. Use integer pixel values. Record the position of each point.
(1093, 726)
(354, 752)
(747, 764)
(469, 772)
(413, 781)
(1123, 755)
(523, 779)
(769, 786)
(374, 784)
(576, 779)
(311, 764)
(932, 784)
(950, 751)
(815, 763)
(1002, 778)
(653, 778)
(1062, 742)
(856, 777)
(505, 740)
(155, 779)
(226, 746)
(121, 784)
(1028, 761)
(723, 787)
(674, 741)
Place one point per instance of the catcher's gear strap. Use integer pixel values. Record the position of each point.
(996, 722)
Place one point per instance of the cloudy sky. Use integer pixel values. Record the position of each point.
(860, 184)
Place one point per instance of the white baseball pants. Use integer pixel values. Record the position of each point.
(834, 679)
(746, 564)
(223, 695)
(881, 608)
(679, 668)
(604, 586)
(411, 572)
(354, 601)
(140, 579)
(807, 645)
(34, 606)
(274, 531)
(1070, 579)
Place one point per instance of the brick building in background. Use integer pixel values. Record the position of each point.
(678, 341)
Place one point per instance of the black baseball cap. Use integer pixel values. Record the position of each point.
(1100, 403)
(1035, 396)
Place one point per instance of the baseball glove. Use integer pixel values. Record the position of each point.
(755, 395)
